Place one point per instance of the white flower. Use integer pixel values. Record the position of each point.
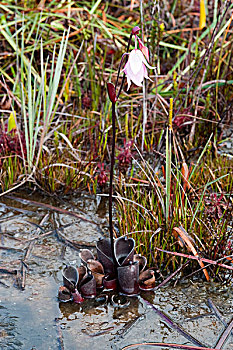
(135, 68)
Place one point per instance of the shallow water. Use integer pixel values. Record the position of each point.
(34, 319)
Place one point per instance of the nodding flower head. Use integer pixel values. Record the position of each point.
(135, 68)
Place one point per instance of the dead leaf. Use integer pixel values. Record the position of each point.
(184, 239)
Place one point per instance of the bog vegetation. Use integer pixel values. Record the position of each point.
(173, 174)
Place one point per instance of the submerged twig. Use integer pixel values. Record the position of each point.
(21, 278)
(51, 207)
(168, 345)
(46, 234)
(2, 247)
(224, 335)
(197, 317)
(174, 325)
(6, 270)
(20, 210)
(72, 244)
(171, 276)
(101, 332)
(128, 326)
(216, 311)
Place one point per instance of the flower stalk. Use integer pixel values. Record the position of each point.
(112, 96)
(135, 71)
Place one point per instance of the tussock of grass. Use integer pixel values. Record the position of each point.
(55, 61)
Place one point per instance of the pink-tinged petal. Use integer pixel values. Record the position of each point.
(140, 43)
(126, 66)
(125, 70)
(135, 60)
(136, 78)
(128, 78)
(147, 64)
(135, 68)
(144, 49)
(146, 74)
(128, 82)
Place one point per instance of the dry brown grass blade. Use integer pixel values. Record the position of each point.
(175, 31)
(73, 9)
(208, 261)
(185, 173)
(10, 94)
(181, 235)
(71, 34)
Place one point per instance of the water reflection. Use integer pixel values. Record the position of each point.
(98, 305)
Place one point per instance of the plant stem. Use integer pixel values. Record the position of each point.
(168, 160)
(123, 79)
(111, 180)
(113, 153)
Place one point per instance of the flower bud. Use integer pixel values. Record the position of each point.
(135, 30)
(144, 49)
(111, 92)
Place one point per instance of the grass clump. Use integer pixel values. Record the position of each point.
(171, 172)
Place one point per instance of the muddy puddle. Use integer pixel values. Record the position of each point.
(33, 318)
